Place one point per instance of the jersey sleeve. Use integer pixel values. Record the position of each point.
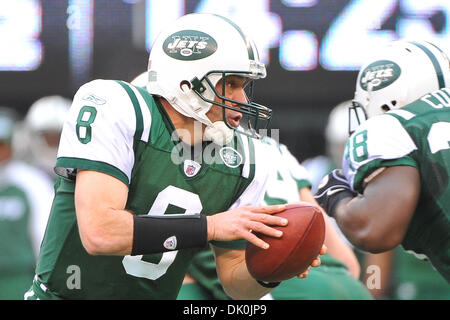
(379, 142)
(298, 172)
(98, 133)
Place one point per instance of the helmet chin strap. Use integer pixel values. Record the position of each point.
(370, 112)
(219, 133)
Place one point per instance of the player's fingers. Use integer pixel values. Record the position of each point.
(266, 230)
(268, 219)
(269, 209)
(323, 250)
(304, 274)
(316, 262)
(251, 237)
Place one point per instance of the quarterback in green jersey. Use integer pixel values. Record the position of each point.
(394, 185)
(149, 176)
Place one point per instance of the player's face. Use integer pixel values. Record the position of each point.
(234, 89)
(52, 138)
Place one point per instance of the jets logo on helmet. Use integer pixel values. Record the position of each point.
(188, 60)
(380, 74)
(396, 76)
(189, 45)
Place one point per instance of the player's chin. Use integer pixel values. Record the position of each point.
(234, 119)
(233, 122)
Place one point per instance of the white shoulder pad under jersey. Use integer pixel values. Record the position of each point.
(254, 193)
(298, 172)
(281, 184)
(99, 131)
(379, 142)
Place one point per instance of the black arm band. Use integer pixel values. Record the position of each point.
(334, 200)
(154, 234)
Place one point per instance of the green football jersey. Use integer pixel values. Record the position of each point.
(25, 200)
(120, 130)
(417, 135)
(414, 279)
(16, 253)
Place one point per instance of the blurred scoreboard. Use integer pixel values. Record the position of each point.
(312, 48)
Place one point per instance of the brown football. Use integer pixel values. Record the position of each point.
(294, 252)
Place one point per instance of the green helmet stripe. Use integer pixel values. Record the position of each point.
(251, 54)
(435, 62)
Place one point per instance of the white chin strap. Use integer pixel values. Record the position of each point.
(188, 104)
(219, 133)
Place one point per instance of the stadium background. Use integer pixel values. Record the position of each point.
(312, 48)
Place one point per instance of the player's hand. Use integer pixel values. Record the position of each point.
(332, 189)
(316, 263)
(239, 224)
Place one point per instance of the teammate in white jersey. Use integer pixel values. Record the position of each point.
(40, 132)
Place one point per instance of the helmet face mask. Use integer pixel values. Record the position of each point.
(42, 125)
(188, 60)
(397, 75)
(356, 115)
(253, 113)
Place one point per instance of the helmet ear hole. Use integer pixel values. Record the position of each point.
(385, 108)
(185, 83)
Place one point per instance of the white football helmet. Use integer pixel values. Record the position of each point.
(399, 74)
(189, 58)
(336, 131)
(141, 80)
(8, 119)
(43, 122)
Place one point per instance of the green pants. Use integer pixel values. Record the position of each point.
(322, 283)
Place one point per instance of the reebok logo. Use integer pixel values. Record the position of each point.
(95, 99)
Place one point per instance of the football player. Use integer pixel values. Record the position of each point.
(25, 200)
(336, 135)
(41, 129)
(149, 176)
(394, 184)
(337, 276)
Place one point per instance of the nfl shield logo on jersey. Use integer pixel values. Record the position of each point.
(191, 168)
(170, 243)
